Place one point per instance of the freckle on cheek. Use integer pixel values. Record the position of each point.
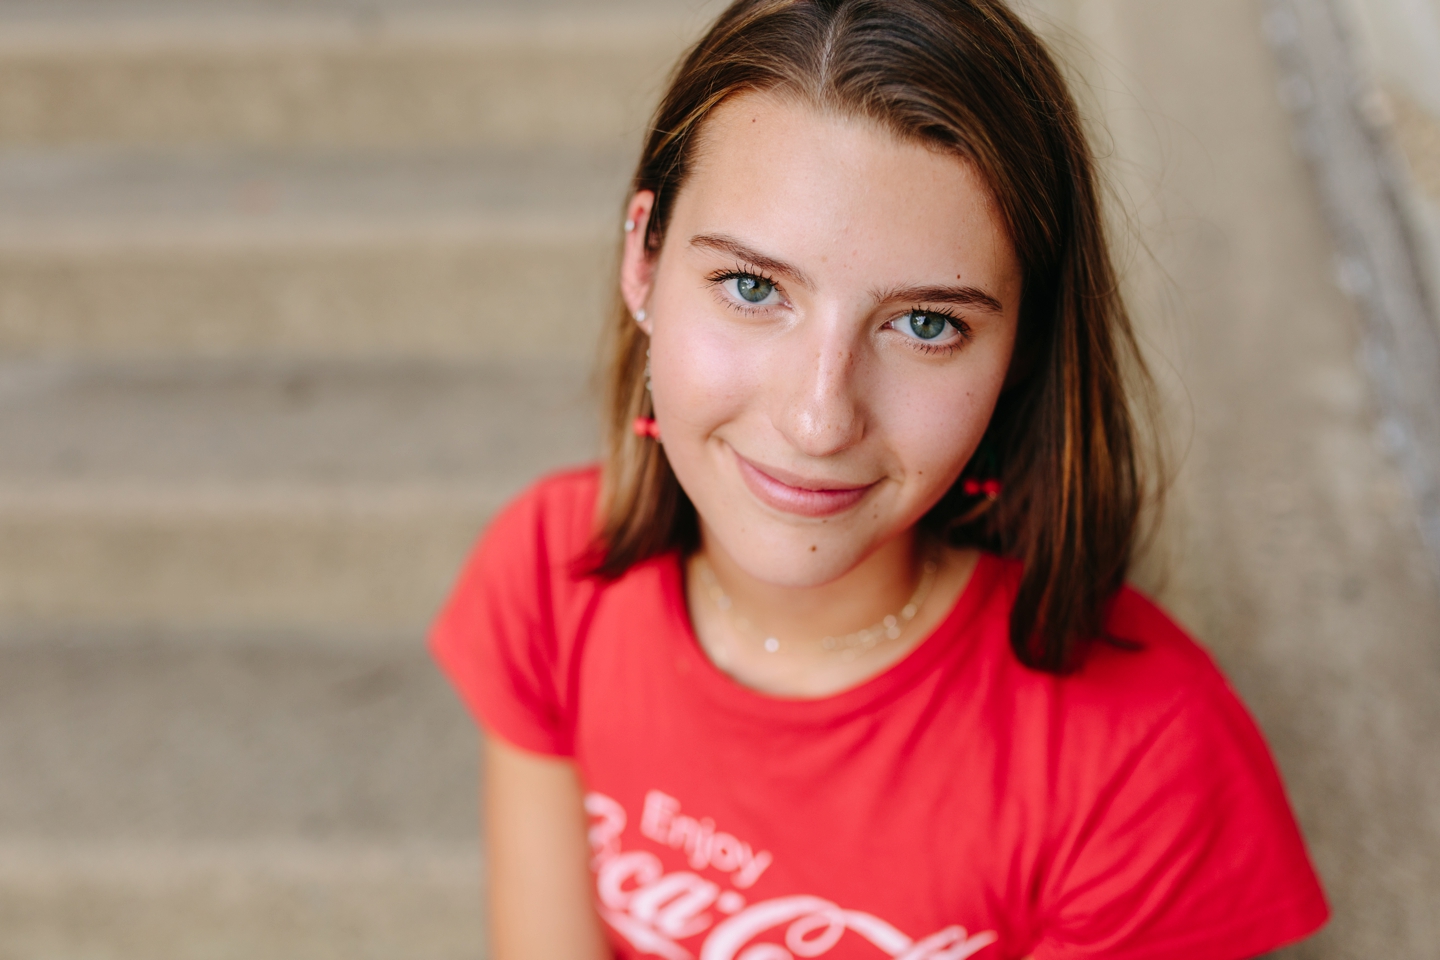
(812, 548)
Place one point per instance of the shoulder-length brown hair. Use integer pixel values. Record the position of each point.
(970, 77)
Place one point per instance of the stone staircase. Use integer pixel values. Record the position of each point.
(292, 296)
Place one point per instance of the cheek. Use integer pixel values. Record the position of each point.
(699, 376)
(933, 425)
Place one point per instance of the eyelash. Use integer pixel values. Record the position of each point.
(940, 349)
(928, 349)
(735, 273)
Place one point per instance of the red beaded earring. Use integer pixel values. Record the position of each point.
(974, 488)
(646, 426)
(987, 485)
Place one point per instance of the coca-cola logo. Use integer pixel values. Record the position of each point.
(655, 910)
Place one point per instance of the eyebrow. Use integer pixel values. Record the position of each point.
(959, 296)
(738, 250)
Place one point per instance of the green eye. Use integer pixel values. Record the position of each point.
(926, 326)
(753, 289)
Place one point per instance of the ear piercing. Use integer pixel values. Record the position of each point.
(639, 314)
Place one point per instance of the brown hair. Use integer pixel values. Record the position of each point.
(966, 76)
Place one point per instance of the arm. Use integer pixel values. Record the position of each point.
(534, 819)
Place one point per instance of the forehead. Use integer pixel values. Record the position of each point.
(842, 191)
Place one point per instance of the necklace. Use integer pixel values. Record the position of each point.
(849, 646)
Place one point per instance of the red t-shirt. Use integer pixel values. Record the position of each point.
(955, 805)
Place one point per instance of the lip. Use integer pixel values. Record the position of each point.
(791, 493)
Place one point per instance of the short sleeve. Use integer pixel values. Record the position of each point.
(498, 636)
(1192, 854)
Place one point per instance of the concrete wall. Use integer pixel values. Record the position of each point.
(1398, 44)
(1403, 37)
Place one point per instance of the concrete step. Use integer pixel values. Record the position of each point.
(278, 799)
(357, 73)
(310, 254)
(335, 499)
(292, 901)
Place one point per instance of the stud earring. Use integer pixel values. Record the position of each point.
(640, 315)
(629, 226)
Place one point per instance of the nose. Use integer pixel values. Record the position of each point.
(817, 404)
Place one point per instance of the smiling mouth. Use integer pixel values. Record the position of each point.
(791, 494)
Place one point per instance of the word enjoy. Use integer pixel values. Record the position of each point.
(654, 911)
(662, 822)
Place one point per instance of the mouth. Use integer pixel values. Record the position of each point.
(791, 493)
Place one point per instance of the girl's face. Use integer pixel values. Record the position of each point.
(832, 315)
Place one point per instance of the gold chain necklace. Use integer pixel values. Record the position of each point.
(849, 646)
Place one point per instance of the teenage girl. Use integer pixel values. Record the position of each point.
(833, 655)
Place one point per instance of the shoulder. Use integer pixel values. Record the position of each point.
(507, 634)
(1144, 662)
(555, 515)
(1159, 698)
(531, 560)
(1145, 682)
(1167, 826)
(1146, 655)
(1144, 658)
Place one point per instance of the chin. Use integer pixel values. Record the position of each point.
(785, 557)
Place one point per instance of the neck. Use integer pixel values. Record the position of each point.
(878, 586)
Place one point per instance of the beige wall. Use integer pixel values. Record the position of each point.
(1400, 51)
(1403, 38)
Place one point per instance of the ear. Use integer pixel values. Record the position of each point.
(637, 268)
